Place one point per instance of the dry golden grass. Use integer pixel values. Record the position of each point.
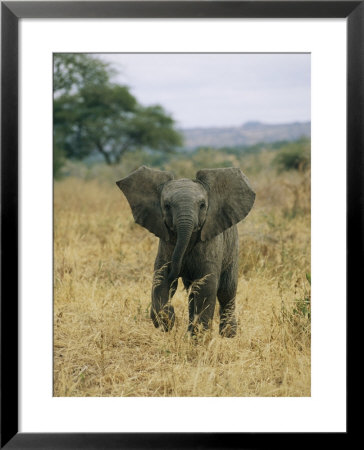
(106, 345)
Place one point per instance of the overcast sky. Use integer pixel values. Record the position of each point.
(202, 90)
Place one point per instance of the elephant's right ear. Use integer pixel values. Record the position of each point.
(142, 189)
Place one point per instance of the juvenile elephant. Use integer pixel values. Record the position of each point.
(195, 221)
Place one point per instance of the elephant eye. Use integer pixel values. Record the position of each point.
(167, 206)
(202, 205)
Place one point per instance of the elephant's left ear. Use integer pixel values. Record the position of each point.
(230, 199)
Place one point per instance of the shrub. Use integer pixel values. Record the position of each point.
(58, 161)
(294, 156)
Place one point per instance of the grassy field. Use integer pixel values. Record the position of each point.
(106, 345)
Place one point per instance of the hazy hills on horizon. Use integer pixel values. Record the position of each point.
(249, 133)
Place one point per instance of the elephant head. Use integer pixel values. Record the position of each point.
(175, 209)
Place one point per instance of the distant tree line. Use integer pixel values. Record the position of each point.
(287, 156)
(92, 115)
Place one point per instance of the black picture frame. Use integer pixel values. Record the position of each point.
(11, 12)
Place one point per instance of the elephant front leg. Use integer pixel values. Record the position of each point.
(202, 300)
(162, 312)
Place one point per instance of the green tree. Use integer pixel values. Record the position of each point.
(108, 120)
(93, 115)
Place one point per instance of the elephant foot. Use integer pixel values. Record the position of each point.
(198, 329)
(191, 330)
(164, 318)
(228, 328)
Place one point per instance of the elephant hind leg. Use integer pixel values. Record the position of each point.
(226, 296)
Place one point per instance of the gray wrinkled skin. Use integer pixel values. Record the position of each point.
(196, 223)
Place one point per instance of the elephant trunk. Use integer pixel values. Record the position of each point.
(184, 231)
